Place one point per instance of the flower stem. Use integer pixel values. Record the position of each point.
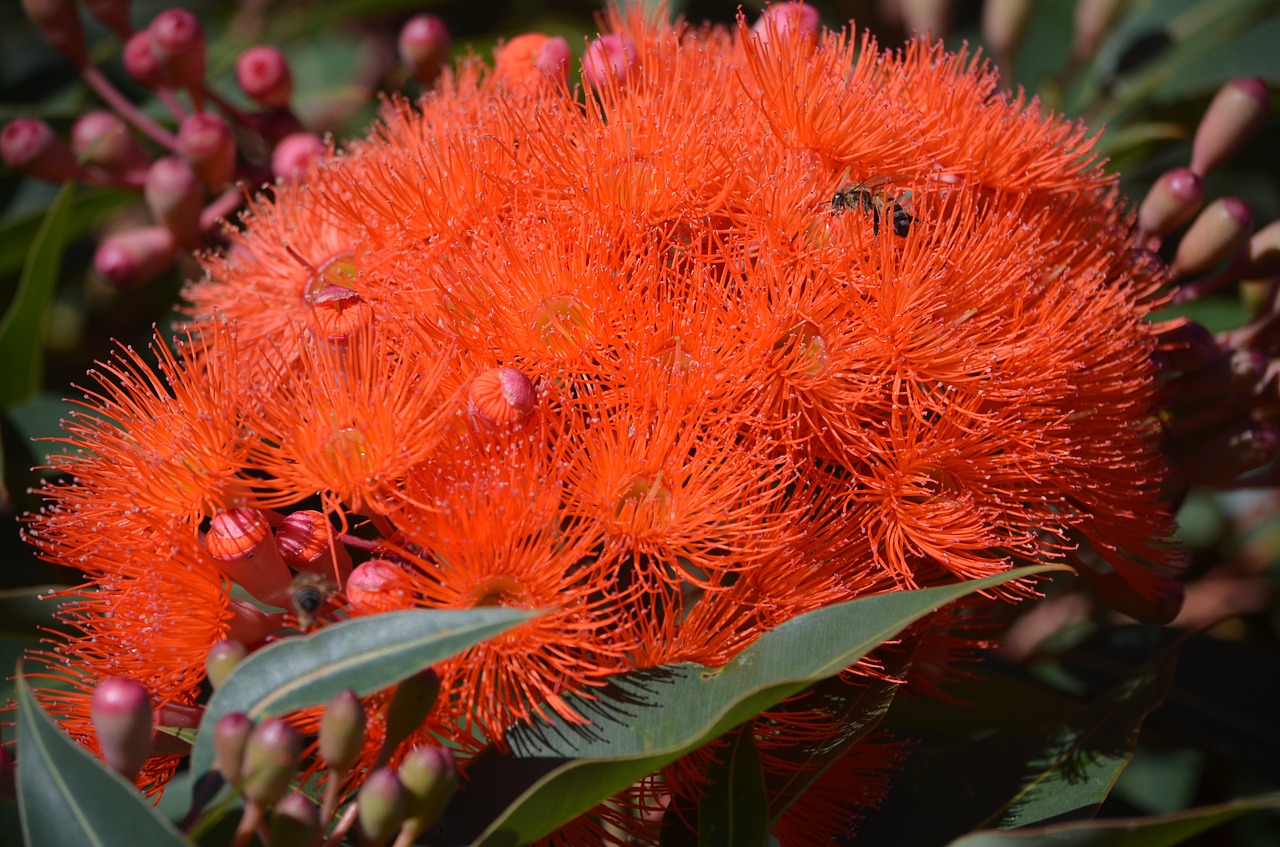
(117, 101)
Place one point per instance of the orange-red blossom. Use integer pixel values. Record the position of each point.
(741, 403)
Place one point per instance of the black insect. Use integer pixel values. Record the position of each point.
(870, 197)
(308, 594)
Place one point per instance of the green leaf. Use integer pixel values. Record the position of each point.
(734, 809)
(643, 720)
(88, 207)
(66, 796)
(365, 654)
(22, 328)
(1156, 831)
(1059, 771)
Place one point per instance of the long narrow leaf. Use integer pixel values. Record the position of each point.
(66, 796)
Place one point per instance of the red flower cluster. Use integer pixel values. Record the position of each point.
(617, 352)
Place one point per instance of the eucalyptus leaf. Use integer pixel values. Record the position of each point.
(365, 654)
(1155, 831)
(66, 796)
(734, 808)
(22, 328)
(558, 769)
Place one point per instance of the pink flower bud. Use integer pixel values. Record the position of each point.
(553, 59)
(275, 125)
(140, 61)
(1003, 24)
(342, 732)
(59, 24)
(1092, 20)
(526, 59)
(130, 259)
(30, 147)
(1171, 202)
(100, 138)
(295, 822)
(430, 777)
(175, 198)
(377, 585)
(270, 760)
(501, 396)
(249, 624)
(305, 542)
(113, 13)
(1262, 254)
(222, 659)
(424, 46)
(780, 20)
(1235, 114)
(207, 143)
(296, 154)
(177, 40)
(931, 16)
(121, 712)
(380, 806)
(1222, 227)
(263, 75)
(610, 59)
(240, 541)
(230, 739)
(1189, 347)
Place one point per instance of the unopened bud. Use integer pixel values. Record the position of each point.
(1092, 20)
(380, 806)
(408, 707)
(1189, 346)
(207, 143)
(931, 16)
(230, 740)
(1234, 372)
(295, 822)
(305, 542)
(296, 154)
(240, 541)
(1171, 202)
(1236, 113)
(781, 19)
(113, 13)
(249, 624)
(501, 396)
(275, 125)
(270, 761)
(609, 60)
(342, 732)
(378, 585)
(59, 24)
(222, 659)
(430, 777)
(122, 718)
(130, 259)
(553, 59)
(174, 198)
(526, 59)
(424, 46)
(1223, 226)
(30, 147)
(177, 41)
(140, 61)
(263, 75)
(1243, 447)
(101, 138)
(1262, 253)
(1003, 24)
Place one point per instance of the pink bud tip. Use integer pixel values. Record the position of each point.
(263, 75)
(271, 757)
(1223, 226)
(59, 24)
(177, 40)
(380, 806)
(609, 58)
(175, 198)
(378, 585)
(553, 58)
(122, 717)
(230, 738)
(207, 143)
(113, 13)
(30, 146)
(296, 154)
(101, 138)
(1171, 202)
(133, 258)
(295, 820)
(783, 19)
(222, 659)
(424, 46)
(1236, 113)
(140, 61)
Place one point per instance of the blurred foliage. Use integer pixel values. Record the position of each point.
(1209, 718)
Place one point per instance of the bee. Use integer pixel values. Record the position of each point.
(308, 594)
(870, 197)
